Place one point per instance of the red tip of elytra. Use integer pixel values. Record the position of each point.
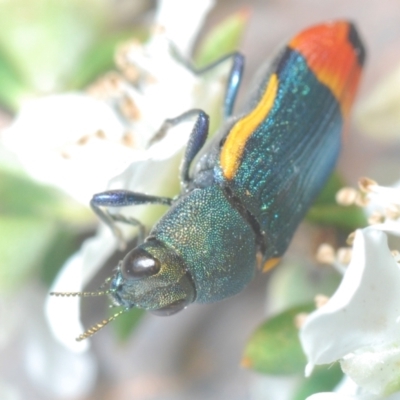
(334, 52)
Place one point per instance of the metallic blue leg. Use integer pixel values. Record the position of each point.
(123, 198)
(197, 138)
(234, 79)
(233, 84)
(196, 141)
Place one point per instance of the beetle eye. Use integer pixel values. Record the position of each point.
(171, 309)
(138, 263)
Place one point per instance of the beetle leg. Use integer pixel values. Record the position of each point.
(233, 84)
(131, 221)
(234, 78)
(123, 198)
(197, 138)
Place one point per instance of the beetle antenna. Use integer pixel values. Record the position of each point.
(97, 293)
(95, 328)
(107, 280)
(81, 294)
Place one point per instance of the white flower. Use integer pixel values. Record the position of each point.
(332, 396)
(53, 368)
(58, 141)
(338, 396)
(360, 325)
(347, 389)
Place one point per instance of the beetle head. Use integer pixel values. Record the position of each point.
(154, 277)
(151, 276)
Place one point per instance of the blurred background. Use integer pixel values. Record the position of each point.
(59, 46)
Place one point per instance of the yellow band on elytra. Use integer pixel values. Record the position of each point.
(233, 148)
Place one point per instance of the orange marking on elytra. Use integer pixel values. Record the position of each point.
(333, 59)
(271, 263)
(234, 146)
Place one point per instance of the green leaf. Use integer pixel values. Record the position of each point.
(23, 243)
(21, 196)
(328, 192)
(61, 245)
(37, 233)
(324, 379)
(326, 211)
(297, 282)
(45, 38)
(274, 348)
(100, 57)
(125, 324)
(12, 87)
(345, 218)
(222, 40)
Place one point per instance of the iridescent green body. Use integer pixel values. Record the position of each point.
(216, 244)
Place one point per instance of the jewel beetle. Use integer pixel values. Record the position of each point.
(245, 191)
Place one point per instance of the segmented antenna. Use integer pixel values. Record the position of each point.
(95, 328)
(81, 294)
(91, 331)
(86, 294)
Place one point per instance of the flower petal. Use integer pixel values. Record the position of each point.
(182, 20)
(55, 139)
(347, 390)
(375, 369)
(51, 366)
(63, 315)
(332, 396)
(365, 308)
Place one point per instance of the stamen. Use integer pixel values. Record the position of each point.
(386, 195)
(320, 300)
(396, 255)
(83, 140)
(367, 185)
(299, 320)
(344, 255)
(123, 59)
(393, 211)
(128, 140)
(325, 254)
(376, 218)
(350, 238)
(109, 86)
(362, 200)
(129, 108)
(346, 196)
(100, 134)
